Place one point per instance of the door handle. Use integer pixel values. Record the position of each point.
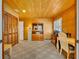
(77, 41)
(0, 41)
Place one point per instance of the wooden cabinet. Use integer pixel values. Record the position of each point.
(10, 29)
(38, 37)
(54, 38)
(37, 32)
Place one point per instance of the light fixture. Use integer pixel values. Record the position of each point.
(23, 11)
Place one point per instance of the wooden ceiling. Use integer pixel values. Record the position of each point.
(39, 8)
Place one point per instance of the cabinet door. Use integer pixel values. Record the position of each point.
(16, 24)
(35, 37)
(13, 25)
(9, 28)
(9, 38)
(13, 38)
(5, 29)
(5, 38)
(5, 24)
(9, 23)
(14, 30)
(41, 37)
(16, 38)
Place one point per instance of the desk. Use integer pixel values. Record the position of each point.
(71, 41)
(8, 46)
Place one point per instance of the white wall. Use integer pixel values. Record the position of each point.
(0, 28)
(77, 28)
(21, 30)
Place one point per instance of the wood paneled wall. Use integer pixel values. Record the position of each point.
(69, 21)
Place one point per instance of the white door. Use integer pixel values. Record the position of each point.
(0, 29)
(77, 30)
(21, 30)
(29, 34)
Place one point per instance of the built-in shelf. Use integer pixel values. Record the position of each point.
(37, 31)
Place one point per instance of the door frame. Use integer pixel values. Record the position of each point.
(2, 31)
(77, 29)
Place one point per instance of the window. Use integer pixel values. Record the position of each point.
(58, 25)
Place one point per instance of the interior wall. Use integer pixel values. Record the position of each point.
(69, 21)
(47, 25)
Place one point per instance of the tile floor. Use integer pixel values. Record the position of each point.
(35, 50)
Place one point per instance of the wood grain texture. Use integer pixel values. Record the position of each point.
(39, 8)
(69, 21)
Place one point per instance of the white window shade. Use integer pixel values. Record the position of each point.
(58, 25)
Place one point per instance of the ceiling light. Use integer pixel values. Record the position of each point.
(23, 11)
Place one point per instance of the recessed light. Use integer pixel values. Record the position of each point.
(23, 11)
